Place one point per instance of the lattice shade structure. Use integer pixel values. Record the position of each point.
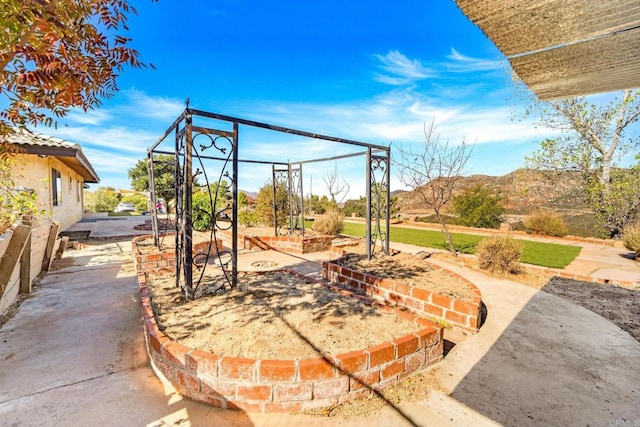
(564, 48)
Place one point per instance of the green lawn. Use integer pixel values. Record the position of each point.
(123, 214)
(537, 253)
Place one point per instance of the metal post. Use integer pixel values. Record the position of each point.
(177, 186)
(188, 206)
(275, 207)
(234, 194)
(388, 208)
(368, 194)
(301, 199)
(152, 196)
(291, 201)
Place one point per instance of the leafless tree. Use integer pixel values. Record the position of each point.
(432, 170)
(337, 187)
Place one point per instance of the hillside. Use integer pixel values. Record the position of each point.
(525, 191)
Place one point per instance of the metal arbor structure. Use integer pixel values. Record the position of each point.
(212, 155)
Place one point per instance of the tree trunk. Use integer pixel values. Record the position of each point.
(606, 174)
(446, 232)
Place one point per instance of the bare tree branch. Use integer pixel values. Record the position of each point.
(337, 190)
(433, 170)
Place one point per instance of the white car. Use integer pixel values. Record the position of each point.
(125, 207)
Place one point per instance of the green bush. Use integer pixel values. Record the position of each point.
(332, 223)
(248, 218)
(202, 216)
(264, 204)
(139, 200)
(106, 200)
(631, 237)
(499, 254)
(546, 223)
(479, 207)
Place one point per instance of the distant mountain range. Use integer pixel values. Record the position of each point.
(525, 190)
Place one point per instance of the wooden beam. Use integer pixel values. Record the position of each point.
(25, 268)
(13, 254)
(48, 253)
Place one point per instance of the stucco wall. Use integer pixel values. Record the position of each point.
(34, 172)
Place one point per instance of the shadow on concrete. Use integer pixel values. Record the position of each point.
(556, 363)
(628, 255)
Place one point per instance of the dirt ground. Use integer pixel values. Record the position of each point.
(280, 316)
(409, 269)
(616, 304)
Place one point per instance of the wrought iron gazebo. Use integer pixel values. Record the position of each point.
(201, 151)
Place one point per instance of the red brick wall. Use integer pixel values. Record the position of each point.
(165, 262)
(289, 244)
(423, 302)
(288, 385)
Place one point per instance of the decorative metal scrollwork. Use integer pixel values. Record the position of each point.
(379, 203)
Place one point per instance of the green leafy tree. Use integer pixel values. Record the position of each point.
(620, 206)
(203, 200)
(104, 199)
(593, 138)
(359, 207)
(202, 214)
(58, 55)
(478, 207)
(139, 200)
(163, 172)
(355, 206)
(264, 204)
(242, 199)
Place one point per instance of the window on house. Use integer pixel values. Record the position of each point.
(70, 184)
(78, 191)
(56, 187)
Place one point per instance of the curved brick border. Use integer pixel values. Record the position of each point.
(287, 385)
(463, 314)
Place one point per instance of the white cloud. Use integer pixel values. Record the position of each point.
(464, 64)
(109, 138)
(90, 117)
(401, 70)
(154, 107)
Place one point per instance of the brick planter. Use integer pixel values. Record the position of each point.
(287, 385)
(463, 314)
(288, 244)
(165, 261)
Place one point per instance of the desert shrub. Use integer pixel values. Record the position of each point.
(631, 237)
(248, 218)
(332, 223)
(479, 207)
(546, 223)
(499, 254)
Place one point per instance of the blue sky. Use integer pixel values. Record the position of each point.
(372, 71)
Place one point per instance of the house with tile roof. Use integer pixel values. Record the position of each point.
(56, 170)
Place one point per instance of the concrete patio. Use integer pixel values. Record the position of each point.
(74, 355)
